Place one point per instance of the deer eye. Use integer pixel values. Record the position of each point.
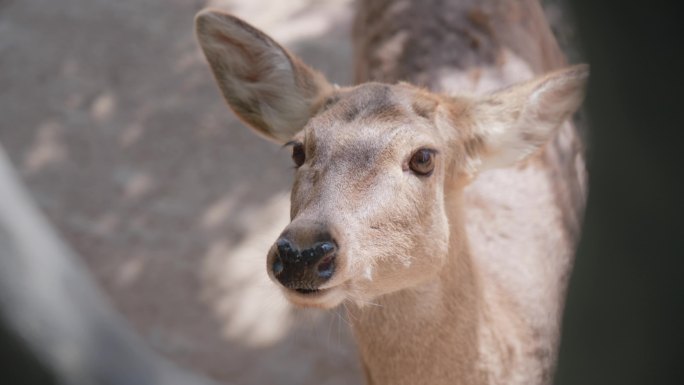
(298, 156)
(423, 162)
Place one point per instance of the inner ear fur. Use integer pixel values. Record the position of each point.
(511, 124)
(269, 88)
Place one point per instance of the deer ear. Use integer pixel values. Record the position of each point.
(266, 86)
(515, 122)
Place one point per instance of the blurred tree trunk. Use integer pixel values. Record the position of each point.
(55, 324)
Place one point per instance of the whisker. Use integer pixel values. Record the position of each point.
(365, 302)
(342, 318)
(349, 313)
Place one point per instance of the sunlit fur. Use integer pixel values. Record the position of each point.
(418, 307)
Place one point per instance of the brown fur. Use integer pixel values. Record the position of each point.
(428, 303)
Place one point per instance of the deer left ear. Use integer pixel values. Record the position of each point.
(515, 122)
(269, 88)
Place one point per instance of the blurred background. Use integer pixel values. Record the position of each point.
(109, 112)
(110, 115)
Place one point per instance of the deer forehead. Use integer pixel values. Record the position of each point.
(373, 120)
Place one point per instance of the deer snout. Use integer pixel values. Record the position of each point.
(303, 267)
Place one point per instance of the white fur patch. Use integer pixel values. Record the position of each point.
(368, 273)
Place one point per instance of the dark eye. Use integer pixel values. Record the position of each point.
(423, 162)
(298, 155)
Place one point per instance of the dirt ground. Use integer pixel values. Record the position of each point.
(110, 113)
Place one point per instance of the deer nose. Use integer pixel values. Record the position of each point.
(305, 268)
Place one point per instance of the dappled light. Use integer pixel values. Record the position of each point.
(237, 287)
(426, 229)
(103, 107)
(508, 69)
(118, 129)
(47, 148)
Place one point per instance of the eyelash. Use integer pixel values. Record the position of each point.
(298, 153)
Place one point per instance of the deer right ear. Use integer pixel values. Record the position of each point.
(516, 122)
(267, 87)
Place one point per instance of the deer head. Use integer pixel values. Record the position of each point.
(377, 165)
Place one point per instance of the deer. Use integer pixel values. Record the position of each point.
(439, 198)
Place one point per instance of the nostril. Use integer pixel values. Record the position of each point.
(324, 248)
(286, 251)
(277, 265)
(326, 267)
(283, 245)
(303, 268)
(325, 252)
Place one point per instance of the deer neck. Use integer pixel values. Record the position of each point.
(429, 333)
(478, 321)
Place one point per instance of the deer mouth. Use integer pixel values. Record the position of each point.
(310, 292)
(319, 298)
(307, 291)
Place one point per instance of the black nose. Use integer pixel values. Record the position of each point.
(304, 269)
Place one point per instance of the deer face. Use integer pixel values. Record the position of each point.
(376, 163)
(367, 210)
